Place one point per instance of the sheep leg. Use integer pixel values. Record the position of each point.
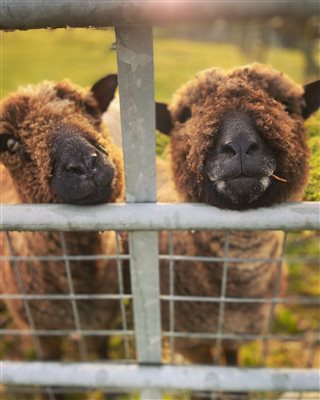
(201, 353)
(197, 353)
(51, 348)
(97, 348)
(103, 348)
(231, 357)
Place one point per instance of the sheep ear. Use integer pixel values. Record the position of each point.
(163, 118)
(312, 98)
(104, 90)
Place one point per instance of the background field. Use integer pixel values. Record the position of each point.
(84, 56)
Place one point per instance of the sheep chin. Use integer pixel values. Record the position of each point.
(101, 196)
(226, 191)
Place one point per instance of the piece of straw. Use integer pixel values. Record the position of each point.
(278, 178)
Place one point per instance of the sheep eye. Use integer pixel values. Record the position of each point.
(10, 143)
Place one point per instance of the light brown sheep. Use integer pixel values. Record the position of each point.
(237, 142)
(55, 149)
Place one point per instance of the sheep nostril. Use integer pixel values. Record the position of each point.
(85, 166)
(76, 169)
(228, 149)
(252, 148)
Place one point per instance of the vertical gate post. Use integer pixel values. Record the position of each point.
(136, 86)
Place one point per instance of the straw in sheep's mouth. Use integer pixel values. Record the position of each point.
(278, 178)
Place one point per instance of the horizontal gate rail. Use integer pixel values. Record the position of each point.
(141, 217)
(167, 377)
(30, 14)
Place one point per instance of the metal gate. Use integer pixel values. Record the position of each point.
(143, 218)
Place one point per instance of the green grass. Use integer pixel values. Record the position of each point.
(32, 56)
(312, 192)
(84, 56)
(177, 61)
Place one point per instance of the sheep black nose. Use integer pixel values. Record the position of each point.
(83, 177)
(240, 145)
(82, 166)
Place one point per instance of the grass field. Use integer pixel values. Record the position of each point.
(85, 55)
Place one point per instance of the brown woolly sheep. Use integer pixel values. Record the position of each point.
(237, 142)
(55, 149)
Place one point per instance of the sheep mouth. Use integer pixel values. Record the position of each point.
(99, 195)
(242, 179)
(242, 190)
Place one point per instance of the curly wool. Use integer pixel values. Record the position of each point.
(275, 103)
(35, 115)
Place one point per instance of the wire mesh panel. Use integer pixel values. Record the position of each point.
(290, 338)
(77, 300)
(291, 317)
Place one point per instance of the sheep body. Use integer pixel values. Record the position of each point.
(195, 120)
(38, 117)
(196, 278)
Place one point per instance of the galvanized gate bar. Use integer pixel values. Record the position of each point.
(52, 217)
(30, 14)
(137, 109)
(135, 66)
(166, 377)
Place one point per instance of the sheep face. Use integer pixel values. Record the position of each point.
(234, 133)
(82, 171)
(52, 143)
(240, 163)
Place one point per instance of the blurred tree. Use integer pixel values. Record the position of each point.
(255, 36)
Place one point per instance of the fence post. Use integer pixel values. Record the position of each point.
(136, 85)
